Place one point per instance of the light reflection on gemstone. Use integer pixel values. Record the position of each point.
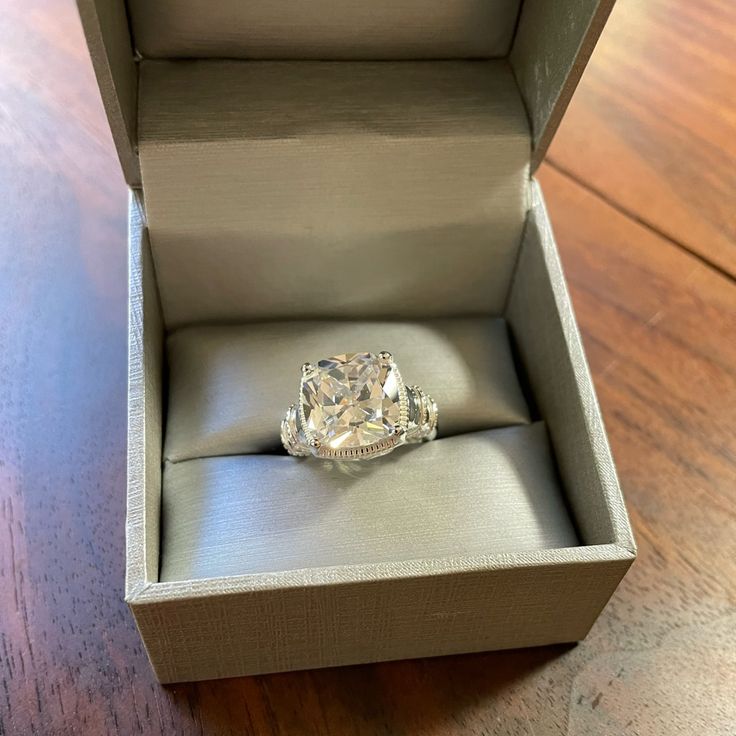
(351, 400)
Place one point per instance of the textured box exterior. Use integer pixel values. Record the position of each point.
(229, 627)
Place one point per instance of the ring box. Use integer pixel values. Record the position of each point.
(311, 179)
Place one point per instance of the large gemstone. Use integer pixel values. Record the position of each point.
(351, 400)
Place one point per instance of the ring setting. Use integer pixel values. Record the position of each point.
(356, 406)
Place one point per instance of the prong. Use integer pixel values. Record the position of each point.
(385, 355)
(315, 443)
(307, 368)
(400, 433)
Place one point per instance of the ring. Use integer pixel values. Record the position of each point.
(355, 406)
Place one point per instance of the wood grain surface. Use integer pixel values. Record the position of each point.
(652, 127)
(640, 175)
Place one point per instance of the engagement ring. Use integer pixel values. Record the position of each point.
(356, 406)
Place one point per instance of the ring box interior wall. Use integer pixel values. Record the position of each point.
(311, 175)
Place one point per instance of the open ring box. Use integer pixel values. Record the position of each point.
(317, 178)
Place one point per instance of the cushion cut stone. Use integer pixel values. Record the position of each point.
(351, 400)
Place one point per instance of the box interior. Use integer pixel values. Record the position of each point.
(234, 504)
(283, 190)
(324, 29)
(373, 194)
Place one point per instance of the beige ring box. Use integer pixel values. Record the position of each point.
(313, 178)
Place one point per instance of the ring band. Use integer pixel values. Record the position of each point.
(356, 406)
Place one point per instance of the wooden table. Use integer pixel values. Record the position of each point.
(641, 183)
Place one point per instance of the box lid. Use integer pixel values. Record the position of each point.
(547, 44)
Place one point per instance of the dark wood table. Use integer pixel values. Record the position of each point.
(641, 183)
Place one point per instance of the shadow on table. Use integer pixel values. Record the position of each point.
(442, 695)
